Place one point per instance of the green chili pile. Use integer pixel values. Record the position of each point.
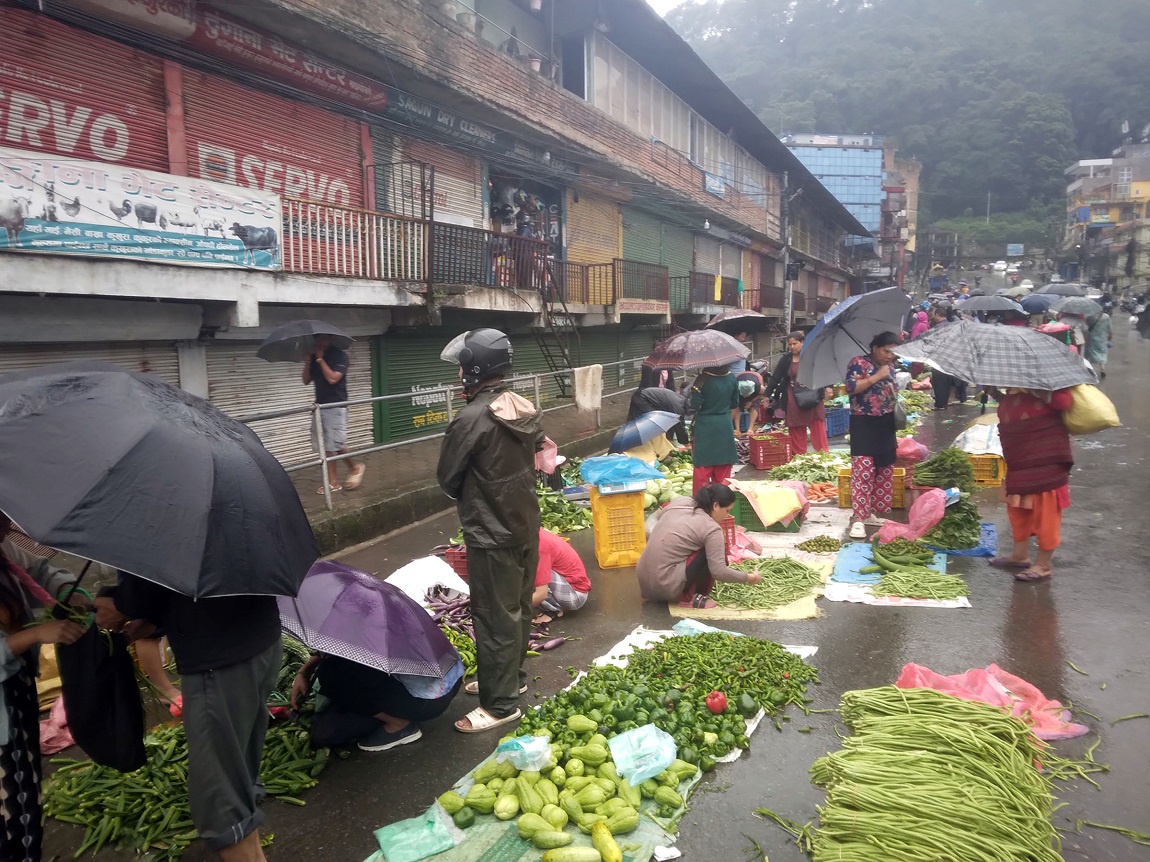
(148, 810)
(667, 685)
(784, 581)
(928, 776)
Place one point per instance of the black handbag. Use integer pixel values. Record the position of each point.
(805, 398)
(102, 699)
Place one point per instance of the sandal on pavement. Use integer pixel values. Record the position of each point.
(332, 488)
(858, 530)
(479, 720)
(699, 602)
(1007, 563)
(1032, 574)
(356, 477)
(473, 687)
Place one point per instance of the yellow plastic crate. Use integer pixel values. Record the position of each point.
(897, 497)
(620, 536)
(989, 470)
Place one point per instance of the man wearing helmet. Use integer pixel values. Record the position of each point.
(487, 465)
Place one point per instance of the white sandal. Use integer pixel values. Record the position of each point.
(332, 488)
(858, 530)
(480, 720)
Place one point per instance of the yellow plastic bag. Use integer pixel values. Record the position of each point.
(1091, 411)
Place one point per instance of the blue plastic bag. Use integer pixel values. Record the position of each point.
(608, 469)
(526, 753)
(642, 753)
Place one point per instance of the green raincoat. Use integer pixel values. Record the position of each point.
(713, 397)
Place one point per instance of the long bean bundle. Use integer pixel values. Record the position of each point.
(784, 581)
(921, 583)
(928, 776)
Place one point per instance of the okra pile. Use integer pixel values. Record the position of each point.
(924, 775)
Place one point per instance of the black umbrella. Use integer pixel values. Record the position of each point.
(990, 303)
(119, 467)
(740, 320)
(293, 341)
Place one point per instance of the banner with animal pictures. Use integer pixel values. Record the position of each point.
(55, 205)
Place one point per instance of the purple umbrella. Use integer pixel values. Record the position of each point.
(740, 320)
(349, 613)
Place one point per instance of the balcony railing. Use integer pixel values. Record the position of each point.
(771, 297)
(680, 293)
(634, 280)
(800, 299)
(750, 299)
(703, 290)
(601, 283)
(467, 255)
(571, 281)
(320, 239)
(823, 304)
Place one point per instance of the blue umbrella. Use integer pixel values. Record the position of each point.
(639, 431)
(1038, 303)
(846, 332)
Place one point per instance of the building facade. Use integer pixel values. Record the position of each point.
(178, 179)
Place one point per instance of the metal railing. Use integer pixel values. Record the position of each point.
(571, 281)
(468, 255)
(771, 297)
(800, 302)
(601, 283)
(542, 388)
(750, 299)
(823, 304)
(322, 239)
(635, 280)
(680, 292)
(703, 290)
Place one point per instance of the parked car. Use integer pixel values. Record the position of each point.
(1000, 266)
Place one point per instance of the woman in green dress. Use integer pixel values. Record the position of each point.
(715, 399)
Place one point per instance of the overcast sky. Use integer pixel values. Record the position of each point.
(664, 6)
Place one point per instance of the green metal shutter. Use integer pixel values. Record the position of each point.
(408, 364)
(642, 236)
(678, 250)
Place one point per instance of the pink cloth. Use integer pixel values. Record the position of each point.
(921, 324)
(740, 550)
(992, 685)
(54, 733)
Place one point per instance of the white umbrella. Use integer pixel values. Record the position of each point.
(846, 332)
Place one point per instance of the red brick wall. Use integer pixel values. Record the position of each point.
(417, 36)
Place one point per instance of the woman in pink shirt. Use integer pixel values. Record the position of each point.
(561, 582)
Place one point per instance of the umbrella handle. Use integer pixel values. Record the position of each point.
(76, 585)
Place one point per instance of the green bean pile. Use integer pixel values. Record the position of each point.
(921, 583)
(928, 776)
(784, 581)
(148, 809)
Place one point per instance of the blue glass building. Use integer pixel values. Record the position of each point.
(850, 166)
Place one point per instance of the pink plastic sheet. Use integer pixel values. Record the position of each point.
(924, 515)
(1049, 719)
(54, 733)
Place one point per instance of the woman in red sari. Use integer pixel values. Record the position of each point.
(1036, 446)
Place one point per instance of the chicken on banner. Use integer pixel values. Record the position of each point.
(58, 205)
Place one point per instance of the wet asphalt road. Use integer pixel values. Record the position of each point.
(1093, 613)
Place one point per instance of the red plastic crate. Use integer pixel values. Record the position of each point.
(730, 533)
(456, 557)
(770, 450)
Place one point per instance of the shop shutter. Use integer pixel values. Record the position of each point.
(458, 181)
(241, 384)
(101, 101)
(159, 358)
(409, 364)
(384, 153)
(752, 270)
(642, 236)
(678, 250)
(707, 255)
(259, 140)
(592, 229)
(731, 261)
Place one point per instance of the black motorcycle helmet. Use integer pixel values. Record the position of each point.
(481, 353)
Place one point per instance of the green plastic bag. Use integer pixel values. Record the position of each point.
(414, 839)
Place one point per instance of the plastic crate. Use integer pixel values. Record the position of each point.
(989, 470)
(898, 496)
(770, 450)
(456, 557)
(744, 514)
(838, 421)
(620, 536)
(730, 534)
(913, 492)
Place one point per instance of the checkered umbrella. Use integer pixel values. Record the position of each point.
(994, 355)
